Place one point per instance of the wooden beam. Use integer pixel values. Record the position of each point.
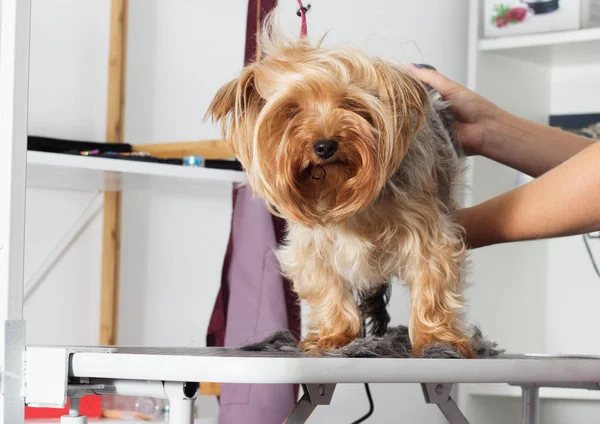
(210, 389)
(117, 65)
(111, 250)
(209, 149)
(115, 117)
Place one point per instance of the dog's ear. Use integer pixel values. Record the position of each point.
(234, 97)
(406, 99)
(236, 106)
(223, 102)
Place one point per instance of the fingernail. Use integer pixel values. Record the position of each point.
(416, 65)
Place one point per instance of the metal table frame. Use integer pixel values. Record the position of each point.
(55, 374)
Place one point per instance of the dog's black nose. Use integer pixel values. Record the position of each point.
(325, 148)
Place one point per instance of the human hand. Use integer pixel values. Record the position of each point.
(475, 116)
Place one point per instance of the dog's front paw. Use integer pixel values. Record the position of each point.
(429, 346)
(313, 344)
(309, 344)
(334, 341)
(465, 348)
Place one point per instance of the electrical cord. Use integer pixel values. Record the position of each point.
(589, 250)
(371, 406)
(367, 389)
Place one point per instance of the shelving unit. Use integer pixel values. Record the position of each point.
(521, 293)
(75, 172)
(552, 49)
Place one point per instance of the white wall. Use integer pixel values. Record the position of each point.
(68, 80)
(575, 89)
(68, 68)
(179, 53)
(173, 243)
(426, 31)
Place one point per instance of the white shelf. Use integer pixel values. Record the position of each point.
(555, 48)
(504, 390)
(55, 170)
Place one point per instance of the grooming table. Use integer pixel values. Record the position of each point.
(57, 373)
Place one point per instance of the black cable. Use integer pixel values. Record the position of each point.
(589, 250)
(303, 9)
(371, 406)
(367, 389)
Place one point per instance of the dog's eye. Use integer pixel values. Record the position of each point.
(366, 116)
(291, 111)
(350, 104)
(357, 108)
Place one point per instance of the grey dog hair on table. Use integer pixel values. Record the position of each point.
(395, 343)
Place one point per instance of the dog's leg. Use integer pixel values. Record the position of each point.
(334, 319)
(373, 309)
(436, 294)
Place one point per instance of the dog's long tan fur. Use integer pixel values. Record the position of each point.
(383, 205)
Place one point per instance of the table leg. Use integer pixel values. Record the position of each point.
(73, 417)
(314, 395)
(530, 405)
(181, 398)
(301, 412)
(439, 394)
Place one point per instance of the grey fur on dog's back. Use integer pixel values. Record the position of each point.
(395, 343)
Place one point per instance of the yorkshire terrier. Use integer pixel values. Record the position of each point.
(359, 157)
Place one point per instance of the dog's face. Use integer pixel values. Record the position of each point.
(319, 131)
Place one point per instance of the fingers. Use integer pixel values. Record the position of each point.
(445, 86)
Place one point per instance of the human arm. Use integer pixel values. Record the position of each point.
(564, 201)
(529, 147)
(487, 130)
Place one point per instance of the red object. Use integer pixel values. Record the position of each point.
(517, 13)
(502, 21)
(303, 26)
(90, 406)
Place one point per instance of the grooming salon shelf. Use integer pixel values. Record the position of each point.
(57, 170)
(561, 48)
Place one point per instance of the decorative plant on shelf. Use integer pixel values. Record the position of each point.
(504, 15)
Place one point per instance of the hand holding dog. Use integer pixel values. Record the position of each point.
(485, 129)
(475, 115)
(565, 164)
